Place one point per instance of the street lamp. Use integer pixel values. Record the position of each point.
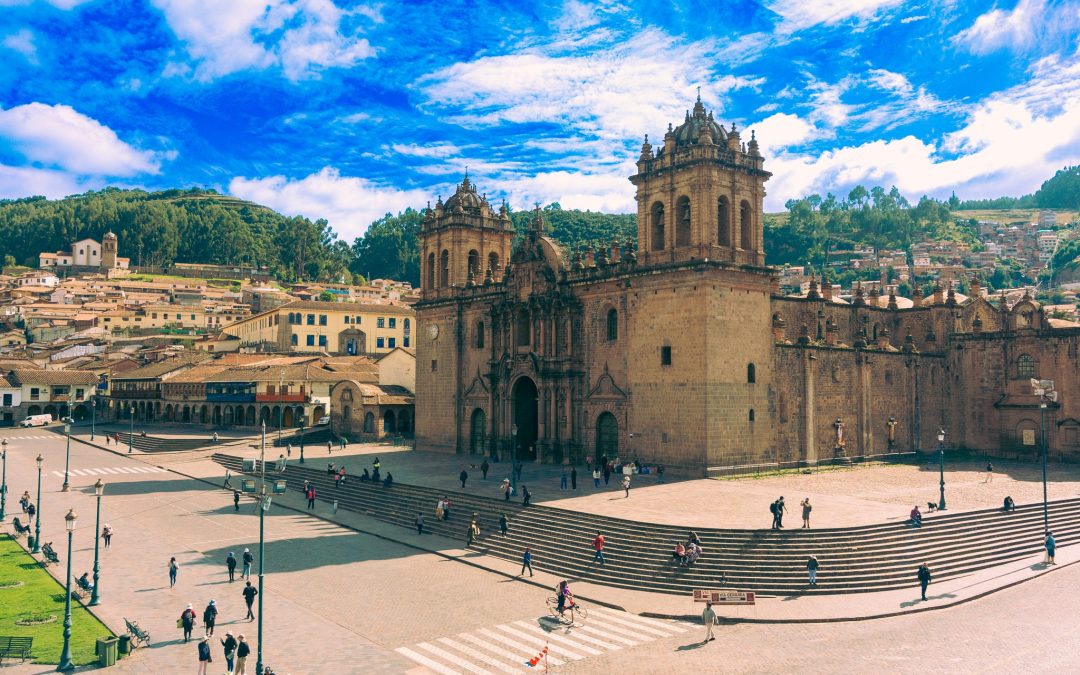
(131, 431)
(1044, 389)
(37, 519)
(264, 505)
(301, 439)
(93, 415)
(513, 459)
(65, 653)
(3, 481)
(67, 455)
(99, 489)
(941, 454)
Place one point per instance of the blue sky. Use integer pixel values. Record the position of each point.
(345, 110)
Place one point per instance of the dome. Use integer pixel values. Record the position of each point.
(465, 196)
(689, 131)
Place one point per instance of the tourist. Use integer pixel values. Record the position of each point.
(242, 651)
(187, 622)
(573, 478)
(484, 468)
(440, 510)
(1009, 505)
(337, 480)
(916, 516)
(989, 473)
(564, 478)
(389, 480)
(1051, 546)
(216, 439)
(230, 562)
(229, 645)
(446, 508)
(692, 538)
(204, 654)
(311, 496)
(249, 594)
(209, 617)
(806, 508)
(31, 510)
(24, 501)
(596, 478)
(330, 470)
(588, 464)
(773, 511)
(598, 546)
(288, 449)
(329, 447)
(341, 473)
(280, 466)
(506, 489)
(473, 533)
(248, 559)
(708, 617)
(811, 569)
(375, 475)
(375, 465)
(526, 562)
(660, 473)
(504, 524)
(106, 535)
(780, 509)
(924, 578)
(679, 554)
(525, 495)
(463, 476)
(174, 567)
(343, 442)
(228, 480)
(693, 552)
(365, 477)
(236, 500)
(626, 485)
(607, 473)
(420, 522)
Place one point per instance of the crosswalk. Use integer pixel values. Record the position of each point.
(36, 437)
(112, 471)
(506, 648)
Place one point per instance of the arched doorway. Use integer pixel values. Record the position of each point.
(251, 416)
(477, 427)
(404, 422)
(168, 413)
(51, 410)
(318, 414)
(389, 422)
(287, 418)
(264, 416)
(525, 418)
(187, 414)
(607, 437)
(33, 410)
(82, 412)
(369, 423)
(204, 415)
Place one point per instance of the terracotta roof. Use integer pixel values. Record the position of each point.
(50, 377)
(164, 367)
(368, 307)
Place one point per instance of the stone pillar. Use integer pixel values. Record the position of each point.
(809, 449)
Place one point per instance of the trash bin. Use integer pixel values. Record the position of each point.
(30, 542)
(106, 651)
(125, 643)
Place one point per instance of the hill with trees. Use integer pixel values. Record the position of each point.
(1061, 191)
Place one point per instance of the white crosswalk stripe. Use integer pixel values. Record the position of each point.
(113, 470)
(507, 647)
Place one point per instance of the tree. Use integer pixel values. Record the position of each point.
(389, 248)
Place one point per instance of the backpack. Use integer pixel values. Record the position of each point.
(772, 508)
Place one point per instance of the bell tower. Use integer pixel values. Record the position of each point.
(108, 251)
(463, 242)
(700, 195)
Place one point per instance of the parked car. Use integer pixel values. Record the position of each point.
(325, 419)
(36, 421)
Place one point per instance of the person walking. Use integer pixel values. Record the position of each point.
(419, 523)
(598, 546)
(106, 535)
(329, 447)
(229, 646)
(230, 562)
(924, 578)
(607, 473)
(811, 569)
(187, 622)
(780, 509)
(446, 508)
(1051, 546)
(174, 567)
(24, 501)
(989, 473)
(236, 500)
(248, 559)
(708, 617)
(311, 497)
(806, 508)
(209, 617)
(31, 510)
(288, 449)
(573, 478)
(564, 479)
(484, 468)
(626, 486)
(526, 562)
(463, 476)
(506, 489)
(249, 594)
(242, 651)
(504, 524)
(473, 533)
(204, 654)
(228, 480)
(659, 473)
(596, 478)
(525, 495)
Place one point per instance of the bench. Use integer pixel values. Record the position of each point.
(20, 529)
(48, 554)
(85, 585)
(137, 634)
(16, 646)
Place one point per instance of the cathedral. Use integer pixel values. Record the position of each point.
(681, 349)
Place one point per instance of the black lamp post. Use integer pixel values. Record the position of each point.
(3, 481)
(67, 455)
(513, 458)
(93, 415)
(301, 439)
(1042, 417)
(65, 653)
(37, 518)
(131, 430)
(941, 454)
(99, 489)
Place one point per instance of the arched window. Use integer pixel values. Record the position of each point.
(612, 325)
(723, 222)
(523, 329)
(474, 265)
(746, 226)
(407, 324)
(751, 414)
(493, 263)
(293, 339)
(431, 270)
(657, 226)
(480, 335)
(682, 224)
(751, 373)
(444, 272)
(1025, 367)
(369, 423)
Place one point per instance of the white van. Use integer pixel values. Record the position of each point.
(36, 421)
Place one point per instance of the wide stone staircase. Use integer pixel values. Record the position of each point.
(856, 559)
(150, 443)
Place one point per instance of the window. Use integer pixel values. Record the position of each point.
(78, 394)
(431, 271)
(723, 222)
(322, 319)
(311, 341)
(322, 340)
(406, 326)
(523, 329)
(35, 393)
(380, 322)
(746, 225)
(665, 356)
(682, 225)
(751, 374)
(434, 365)
(154, 315)
(293, 339)
(480, 335)
(348, 319)
(380, 343)
(192, 317)
(311, 319)
(393, 322)
(391, 342)
(657, 243)
(271, 389)
(751, 414)
(405, 341)
(356, 321)
(1025, 367)
(444, 274)
(612, 325)
(7, 399)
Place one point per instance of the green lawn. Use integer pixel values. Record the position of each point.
(40, 594)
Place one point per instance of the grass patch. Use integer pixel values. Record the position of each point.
(38, 598)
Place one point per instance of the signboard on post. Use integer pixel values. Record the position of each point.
(724, 597)
(1029, 437)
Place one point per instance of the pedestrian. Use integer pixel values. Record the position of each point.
(463, 476)
(596, 478)
(230, 562)
(526, 562)
(473, 533)
(106, 535)
(174, 567)
(343, 442)
(419, 523)
(229, 645)
(446, 508)
(288, 449)
(780, 509)
(204, 655)
(236, 500)
(924, 578)
(588, 464)
(811, 569)
(311, 497)
(24, 501)
(440, 510)
(329, 448)
(31, 510)
(525, 496)
(598, 546)
(248, 559)
(484, 468)
(989, 473)
(209, 617)
(564, 479)
(626, 486)
(573, 478)
(1008, 504)
(708, 617)
(337, 480)
(806, 508)
(660, 473)
(187, 622)
(1051, 546)
(607, 473)
(375, 467)
(504, 524)
(507, 489)
(249, 594)
(242, 651)
(228, 480)
(281, 462)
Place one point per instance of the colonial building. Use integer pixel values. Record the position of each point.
(683, 350)
(86, 255)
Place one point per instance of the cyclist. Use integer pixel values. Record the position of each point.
(564, 597)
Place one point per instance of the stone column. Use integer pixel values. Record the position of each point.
(809, 449)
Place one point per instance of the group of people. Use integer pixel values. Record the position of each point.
(686, 554)
(27, 506)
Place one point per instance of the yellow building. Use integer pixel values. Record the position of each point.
(349, 328)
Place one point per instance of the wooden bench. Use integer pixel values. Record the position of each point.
(137, 634)
(48, 554)
(16, 646)
(20, 529)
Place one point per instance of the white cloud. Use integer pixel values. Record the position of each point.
(22, 42)
(608, 192)
(782, 131)
(59, 4)
(59, 136)
(301, 37)
(20, 181)
(432, 150)
(797, 15)
(1030, 22)
(349, 203)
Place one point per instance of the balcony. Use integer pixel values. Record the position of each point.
(281, 398)
(230, 398)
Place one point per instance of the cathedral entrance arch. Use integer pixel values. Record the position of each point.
(607, 437)
(477, 426)
(525, 418)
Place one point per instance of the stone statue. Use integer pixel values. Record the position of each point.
(892, 431)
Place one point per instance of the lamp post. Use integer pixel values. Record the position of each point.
(99, 489)
(37, 518)
(264, 498)
(1044, 389)
(3, 481)
(67, 455)
(301, 439)
(281, 386)
(513, 458)
(93, 415)
(131, 430)
(65, 653)
(941, 455)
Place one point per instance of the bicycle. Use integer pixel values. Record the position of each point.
(577, 611)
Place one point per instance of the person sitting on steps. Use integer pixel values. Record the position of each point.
(916, 516)
(1009, 505)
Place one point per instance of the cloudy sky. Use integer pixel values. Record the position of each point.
(345, 110)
